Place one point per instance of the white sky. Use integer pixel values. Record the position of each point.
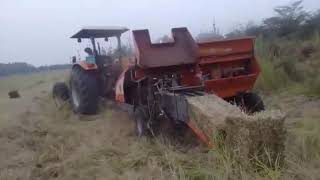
(38, 31)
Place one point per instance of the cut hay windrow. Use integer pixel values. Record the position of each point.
(260, 136)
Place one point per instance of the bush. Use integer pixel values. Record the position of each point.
(14, 94)
(271, 78)
(289, 64)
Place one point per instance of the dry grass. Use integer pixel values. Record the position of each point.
(40, 142)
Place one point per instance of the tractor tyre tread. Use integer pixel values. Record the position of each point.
(253, 102)
(87, 90)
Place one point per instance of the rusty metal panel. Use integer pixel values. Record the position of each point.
(230, 64)
(149, 55)
(226, 47)
(229, 87)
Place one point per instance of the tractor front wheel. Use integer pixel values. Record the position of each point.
(84, 91)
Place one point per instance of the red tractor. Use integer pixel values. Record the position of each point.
(161, 75)
(97, 74)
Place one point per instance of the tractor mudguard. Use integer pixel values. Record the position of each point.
(119, 92)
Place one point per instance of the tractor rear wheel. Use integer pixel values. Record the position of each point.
(84, 91)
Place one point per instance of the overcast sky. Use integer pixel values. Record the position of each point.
(38, 31)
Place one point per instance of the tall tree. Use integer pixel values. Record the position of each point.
(288, 19)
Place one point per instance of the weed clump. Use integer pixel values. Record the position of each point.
(14, 94)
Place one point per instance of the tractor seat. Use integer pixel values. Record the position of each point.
(151, 55)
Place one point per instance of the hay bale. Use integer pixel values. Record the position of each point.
(13, 94)
(261, 137)
(210, 112)
(244, 136)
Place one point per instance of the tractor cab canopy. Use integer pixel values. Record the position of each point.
(95, 32)
(100, 32)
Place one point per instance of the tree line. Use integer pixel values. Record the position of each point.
(290, 21)
(23, 68)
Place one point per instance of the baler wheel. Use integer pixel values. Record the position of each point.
(252, 103)
(84, 91)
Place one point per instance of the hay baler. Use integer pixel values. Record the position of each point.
(164, 74)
